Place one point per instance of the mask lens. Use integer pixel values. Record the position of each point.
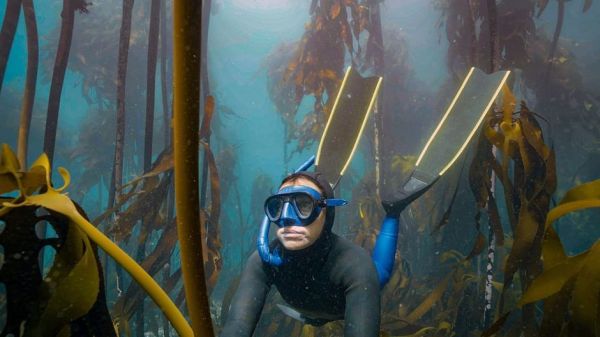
(305, 204)
(273, 207)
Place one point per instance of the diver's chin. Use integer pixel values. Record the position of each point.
(291, 244)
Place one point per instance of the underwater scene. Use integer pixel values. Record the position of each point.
(299, 168)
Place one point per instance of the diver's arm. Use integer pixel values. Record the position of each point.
(362, 313)
(248, 301)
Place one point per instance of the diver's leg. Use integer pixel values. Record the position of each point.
(384, 253)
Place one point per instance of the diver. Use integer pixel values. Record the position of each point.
(322, 276)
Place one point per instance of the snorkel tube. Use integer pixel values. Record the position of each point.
(262, 242)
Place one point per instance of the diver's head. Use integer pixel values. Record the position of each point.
(302, 208)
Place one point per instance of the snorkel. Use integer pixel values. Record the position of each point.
(262, 242)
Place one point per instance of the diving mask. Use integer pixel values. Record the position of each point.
(297, 206)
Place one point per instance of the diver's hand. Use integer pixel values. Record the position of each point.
(395, 204)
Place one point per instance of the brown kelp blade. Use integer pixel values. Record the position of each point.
(459, 124)
(346, 123)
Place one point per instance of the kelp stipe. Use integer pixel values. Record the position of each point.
(187, 27)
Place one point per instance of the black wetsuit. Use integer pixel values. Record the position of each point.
(332, 279)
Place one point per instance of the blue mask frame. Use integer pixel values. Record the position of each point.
(283, 207)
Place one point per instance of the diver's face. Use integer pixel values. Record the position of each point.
(300, 237)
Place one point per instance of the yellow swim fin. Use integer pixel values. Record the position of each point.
(346, 124)
(459, 124)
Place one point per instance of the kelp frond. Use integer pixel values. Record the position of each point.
(67, 297)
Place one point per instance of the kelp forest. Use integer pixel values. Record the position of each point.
(141, 138)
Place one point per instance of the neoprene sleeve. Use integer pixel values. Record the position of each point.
(248, 300)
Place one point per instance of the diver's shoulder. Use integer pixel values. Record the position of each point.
(254, 259)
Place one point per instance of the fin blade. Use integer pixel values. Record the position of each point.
(461, 121)
(346, 124)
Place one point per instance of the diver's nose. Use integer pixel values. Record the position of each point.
(288, 215)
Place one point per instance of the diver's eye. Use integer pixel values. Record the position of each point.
(273, 206)
(305, 204)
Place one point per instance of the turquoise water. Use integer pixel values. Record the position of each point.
(242, 34)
